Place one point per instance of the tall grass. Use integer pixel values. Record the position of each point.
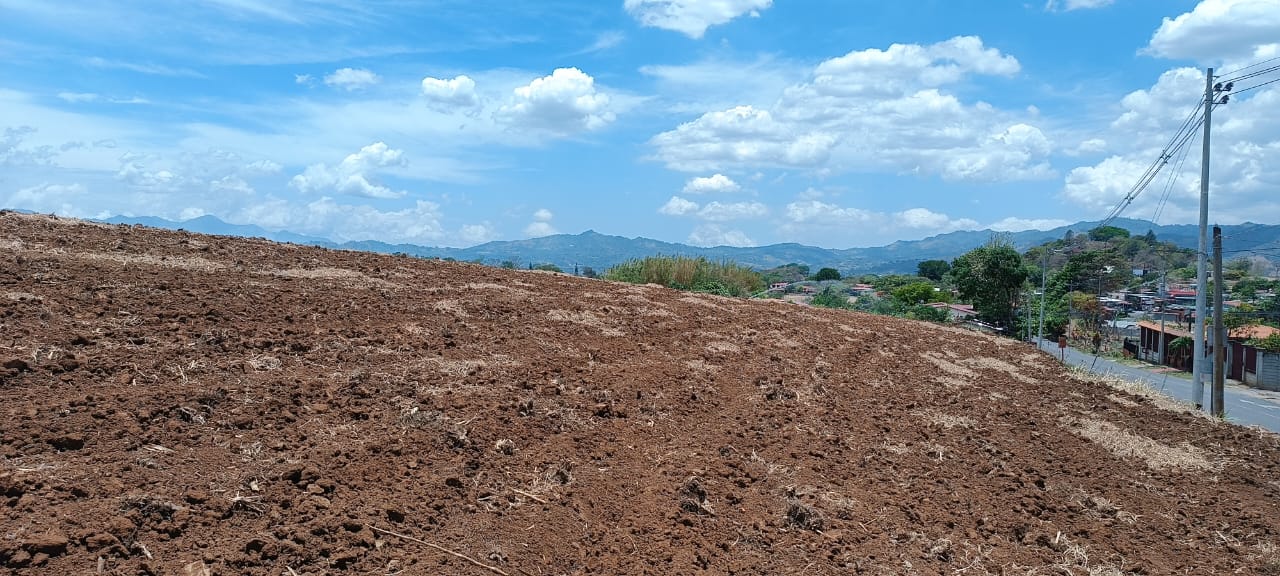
(695, 274)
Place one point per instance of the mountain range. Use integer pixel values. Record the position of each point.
(601, 251)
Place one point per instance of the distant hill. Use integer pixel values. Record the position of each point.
(213, 225)
(601, 251)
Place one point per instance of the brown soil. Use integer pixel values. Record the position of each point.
(182, 404)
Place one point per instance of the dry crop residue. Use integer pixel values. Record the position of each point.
(384, 414)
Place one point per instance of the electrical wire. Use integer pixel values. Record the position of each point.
(1254, 87)
(1175, 146)
(1173, 179)
(1250, 75)
(1243, 68)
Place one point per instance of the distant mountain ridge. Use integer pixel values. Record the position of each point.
(602, 251)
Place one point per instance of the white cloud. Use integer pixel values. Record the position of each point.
(726, 211)
(1089, 146)
(713, 235)
(678, 206)
(458, 92)
(890, 113)
(565, 102)
(540, 229)
(65, 199)
(822, 213)
(472, 234)
(263, 167)
(350, 79)
(1219, 30)
(541, 225)
(711, 184)
(741, 136)
(15, 151)
(1014, 224)
(354, 175)
(303, 79)
(419, 222)
(815, 218)
(691, 17)
(1246, 158)
(925, 219)
(1069, 5)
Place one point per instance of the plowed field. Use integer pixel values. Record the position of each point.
(181, 404)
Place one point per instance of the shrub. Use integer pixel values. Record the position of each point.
(694, 274)
(830, 297)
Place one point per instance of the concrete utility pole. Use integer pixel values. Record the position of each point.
(1219, 333)
(1202, 260)
(1162, 297)
(1044, 272)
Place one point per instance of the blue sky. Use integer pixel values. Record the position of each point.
(831, 122)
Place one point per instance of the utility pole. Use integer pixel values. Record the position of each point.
(1219, 333)
(1162, 292)
(1044, 272)
(1202, 282)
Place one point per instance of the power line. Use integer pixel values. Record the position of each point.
(1173, 178)
(1254, 87)
(1179, 140)
(1250, 75)
(1254, 65)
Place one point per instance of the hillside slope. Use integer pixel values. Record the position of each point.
(181, 404)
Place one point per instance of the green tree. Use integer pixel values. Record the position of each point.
(914, 294)
(927, 313)
(1107, 233)
(933, 269)
(786, 273)
(991, 277)
(830, 297)
(1270, 343)
(1237, 269)
(547, 267)
(827, 274)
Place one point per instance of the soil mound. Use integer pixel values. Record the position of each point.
(181, 404)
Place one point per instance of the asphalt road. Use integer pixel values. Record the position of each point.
(1247, 406)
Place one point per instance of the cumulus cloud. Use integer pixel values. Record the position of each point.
(541, 225)
(691, 17)
(726, 211)
(925, 219)
(1014, 224)
(678, 206)
(458, 92)
(65, 199)
(565, 102)
(816, 216)
(1219, 30)
(712, 235)
(15, 151)
(354, 175)
(711, 184)
(350, 79)
(894, 101)
(1246, 163)
(741, 136)
(419, 222)
(477, 233)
